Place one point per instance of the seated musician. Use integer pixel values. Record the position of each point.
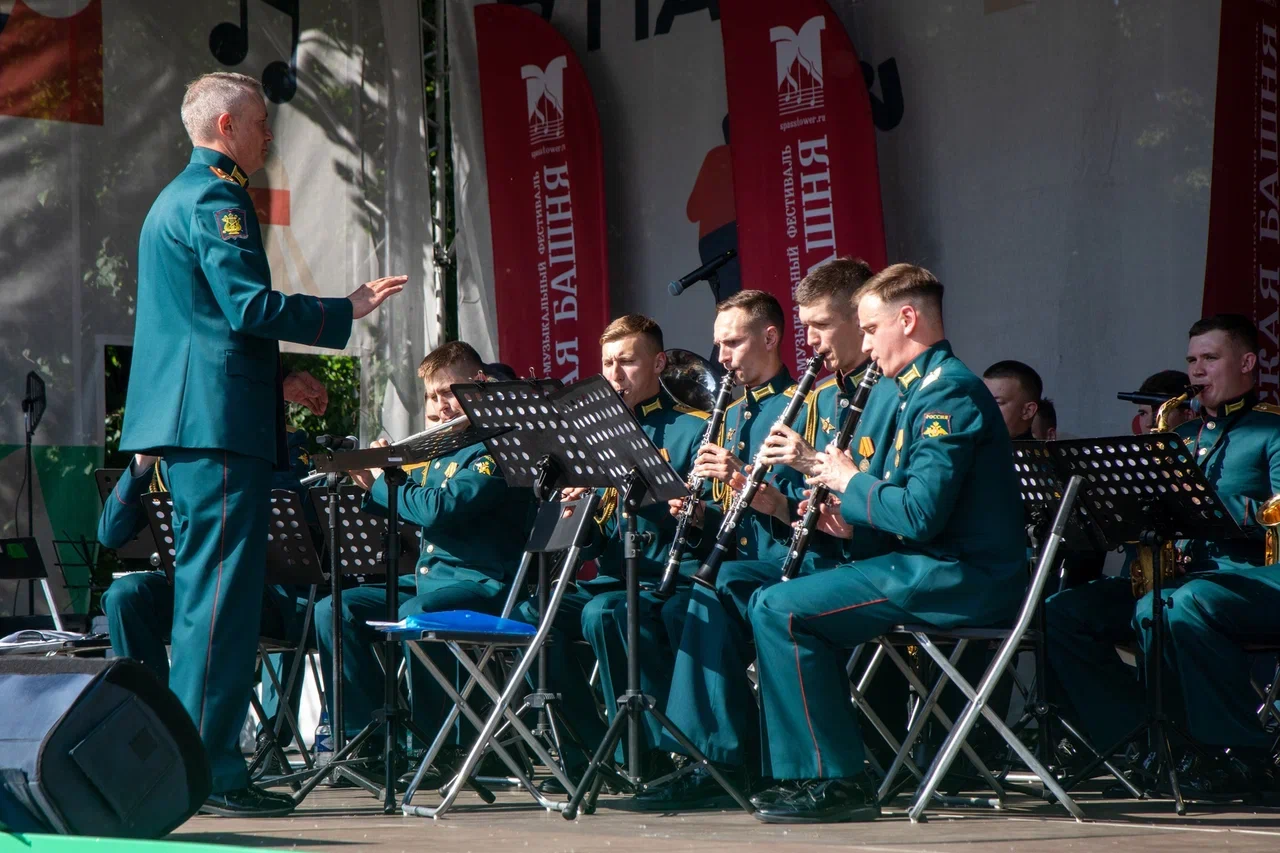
(1017, 389)
(633, 360)
(1044, 426)
(710, 699)
(935, 526)
(1225, 597)
(139, 605)
(457, 500)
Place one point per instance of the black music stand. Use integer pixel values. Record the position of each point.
(140, 547)
(585, 436)
(1149, 490)
(534, 450)
(443, 440)
(1042, 491)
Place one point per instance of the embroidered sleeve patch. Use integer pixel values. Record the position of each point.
(483, 465)
(936, 424)
(231, 223)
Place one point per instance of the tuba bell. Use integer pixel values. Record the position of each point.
(691, 379)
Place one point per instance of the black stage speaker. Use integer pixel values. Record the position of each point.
(95, 747)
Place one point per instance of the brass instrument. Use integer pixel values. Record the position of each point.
(691, 379)
(1143, 567)
(1268, 515)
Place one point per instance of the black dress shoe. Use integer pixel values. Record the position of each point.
(776, 793)
(250, 801)
(825, 801)
(266, 760)
(693, 790)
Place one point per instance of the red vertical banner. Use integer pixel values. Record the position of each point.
(1242, 264)
(806, 184)
(546, 195)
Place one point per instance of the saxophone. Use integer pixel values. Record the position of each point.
(710, 567)
(672, 571)
(1144, 566)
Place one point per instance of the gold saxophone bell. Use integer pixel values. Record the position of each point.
(1268, 515)
(1143, 568)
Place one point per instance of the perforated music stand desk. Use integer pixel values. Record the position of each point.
(579, 436)
(1140, 485)
(1042, 490)
(1146, 489)
(140, 547)
(291, 556)
(359, 534)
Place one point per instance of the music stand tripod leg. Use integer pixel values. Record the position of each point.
(635, 702)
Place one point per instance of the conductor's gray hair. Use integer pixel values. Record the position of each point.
(211, 95)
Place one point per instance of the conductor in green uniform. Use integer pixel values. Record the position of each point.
(1227, 596)
(208, 323)
(936, 523)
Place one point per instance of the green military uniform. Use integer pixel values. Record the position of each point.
(677, 431)
(940, 502)
(710, 698)
(458, 501)
(1227, 597)
(139, 605)
(205, 392)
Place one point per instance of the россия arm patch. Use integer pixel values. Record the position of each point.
(936, 424)
(231, 223)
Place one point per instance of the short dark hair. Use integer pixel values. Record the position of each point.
(455, 354)
(1169, 383)
(633, 324)
(1048, 414)
(761, 307)
(837, 279)
(1021, 373)
(1238, 327)
(903, 283)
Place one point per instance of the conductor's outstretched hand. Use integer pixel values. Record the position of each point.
(371, 294)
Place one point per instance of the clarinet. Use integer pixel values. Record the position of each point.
(672, 571)
(710, 567)
(801, 535)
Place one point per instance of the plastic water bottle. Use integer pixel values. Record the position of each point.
(324, 741)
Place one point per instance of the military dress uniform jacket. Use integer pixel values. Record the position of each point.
(1239, 453)
(474, 526)
(206, 371)
(747, 422)
(936, 486)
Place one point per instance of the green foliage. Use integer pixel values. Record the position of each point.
(340, 375)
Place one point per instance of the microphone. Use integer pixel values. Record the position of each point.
(703, 272)
(333, 442)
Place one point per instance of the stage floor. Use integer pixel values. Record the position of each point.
(342, 820)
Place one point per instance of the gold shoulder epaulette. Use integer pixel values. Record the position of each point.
(825, 384)
(791, 392)
(1268, 408)
(415, 466)
(689, 410)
